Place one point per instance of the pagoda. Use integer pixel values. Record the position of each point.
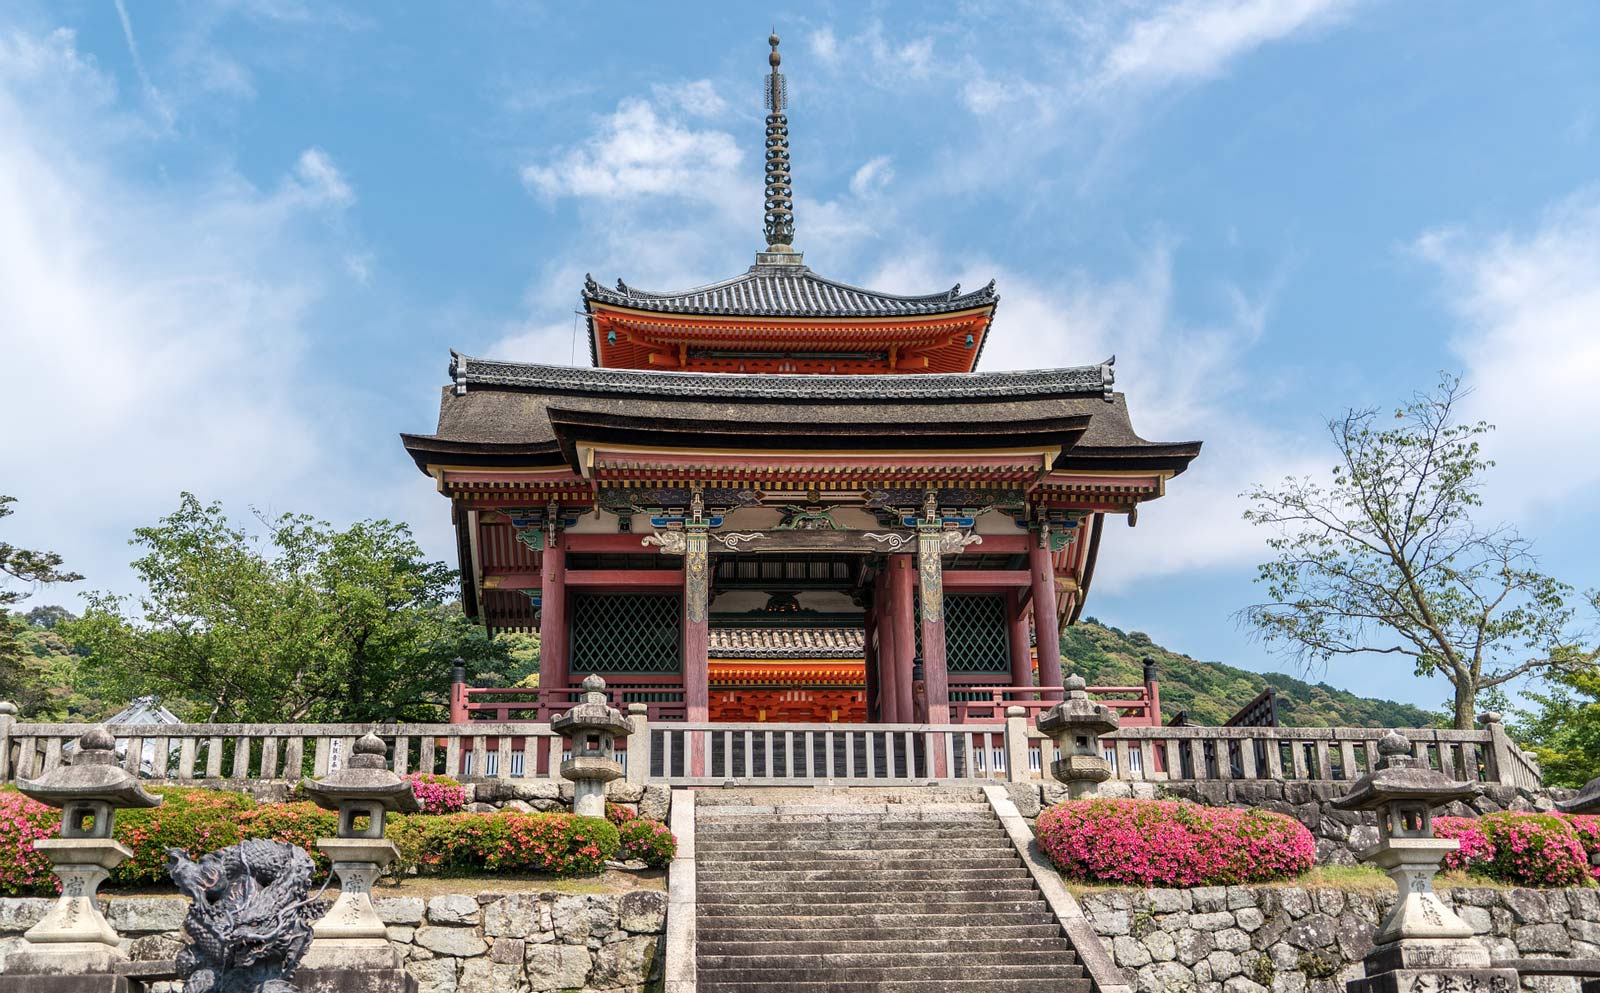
(783, 497)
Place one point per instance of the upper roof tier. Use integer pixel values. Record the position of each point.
(780, 317)
(791, 290)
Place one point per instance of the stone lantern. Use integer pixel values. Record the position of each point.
(1076, 724)
(74, 939)
(1422, 940)
(591, 730)
(363, 792)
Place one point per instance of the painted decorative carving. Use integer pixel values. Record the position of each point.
(891, 541)
(734, 540)
(696, 574)
(671, 542)
(930, 570)
(952, 542)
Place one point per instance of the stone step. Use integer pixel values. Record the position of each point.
(840, 813)
(885, 955)
(784, 916)
(784, 833)
(834, 872)
(787, 945)
(904, 865)
(985, 843)
(919, 795)
(1045, 984)
(861, 903)
(795, 977)
(734, 932)
(838, 893)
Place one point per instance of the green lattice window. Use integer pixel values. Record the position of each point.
(626, 632)
(976, 638)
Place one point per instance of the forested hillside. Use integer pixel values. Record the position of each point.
(1212, 691)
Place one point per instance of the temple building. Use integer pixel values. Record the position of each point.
(781, 497)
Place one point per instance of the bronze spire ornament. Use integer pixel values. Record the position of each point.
(780, 196)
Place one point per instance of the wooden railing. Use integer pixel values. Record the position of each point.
(682, 753)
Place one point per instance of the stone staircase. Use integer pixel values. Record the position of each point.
(908, 890)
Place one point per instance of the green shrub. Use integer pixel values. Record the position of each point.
(195, 820)
(651, 842)
(558, 844)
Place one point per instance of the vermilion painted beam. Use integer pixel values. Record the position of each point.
(993, 579)
(999, 544)
(633, 578)
(605, 543)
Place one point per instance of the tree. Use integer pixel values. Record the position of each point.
(303, 623)
(18, 682)
(1388, 559)
(1565, 731)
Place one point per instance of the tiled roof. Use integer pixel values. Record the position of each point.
(1088, 380)
(787, 643)
(788, 291)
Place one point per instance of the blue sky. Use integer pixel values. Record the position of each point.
(237, 239)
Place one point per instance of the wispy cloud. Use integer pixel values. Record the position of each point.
(639, 150)
(163, 333)
(1529, 304)
(157, 101)
(1197, 39)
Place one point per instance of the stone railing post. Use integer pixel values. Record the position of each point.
(8, 717)
(639, 744)
(1501, 748)
(1017, 770)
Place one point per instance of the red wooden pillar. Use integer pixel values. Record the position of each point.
(935, 677)
(902, 608)
(869, 666)
(888, 677)
(1046, 625)
(696, 642)
(553, 674)
(1017, 631)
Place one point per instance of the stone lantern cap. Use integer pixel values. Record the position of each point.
(1077, 712)
(593, 714)
(1399, 776)
(1585, 801)
(367, 777)
(92, 775)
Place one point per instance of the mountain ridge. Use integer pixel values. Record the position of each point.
(1211, 692)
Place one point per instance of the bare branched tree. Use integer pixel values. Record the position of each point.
(1387, 558)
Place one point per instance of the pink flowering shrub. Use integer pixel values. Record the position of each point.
(437, 794)
(456, 844)
(651, 842)
(1523, 848)
(1587, 828)
(22, 821)
(1170, 843)
(619, 815)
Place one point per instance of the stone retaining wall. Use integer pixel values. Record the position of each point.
(454, 943)
(1340, 834)
(1288, 939)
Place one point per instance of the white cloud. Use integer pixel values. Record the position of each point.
(699, 97)
(1196, 39)
(1530, 306)
(319, 181)
(872, 177)
(825, 46)
(639, 151)
(156, 337)
(1183, 383)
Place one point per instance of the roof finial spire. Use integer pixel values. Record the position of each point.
(780, 196)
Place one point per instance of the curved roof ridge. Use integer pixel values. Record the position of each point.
(788, 290)
(1089, 380)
